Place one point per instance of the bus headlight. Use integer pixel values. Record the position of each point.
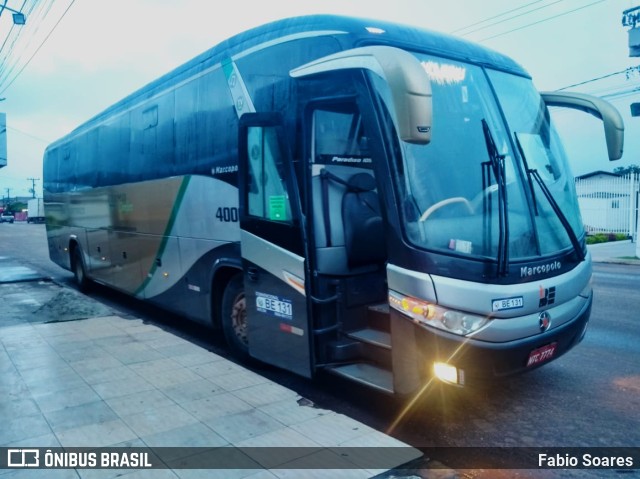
(427, 313)
(448, 374)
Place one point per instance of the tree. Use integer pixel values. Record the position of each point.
(627, 170)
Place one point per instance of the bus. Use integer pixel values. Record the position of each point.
(374, 200)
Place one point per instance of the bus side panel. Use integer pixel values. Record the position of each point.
(150, 191)
(192, 295)
(59, 231)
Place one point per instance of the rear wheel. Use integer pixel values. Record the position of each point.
(79, 270)
(234, 317)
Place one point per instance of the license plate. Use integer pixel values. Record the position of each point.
(501, 304)
(273, 305)
(542, 354)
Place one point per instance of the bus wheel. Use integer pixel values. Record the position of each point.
(79, 271)
(234, 318)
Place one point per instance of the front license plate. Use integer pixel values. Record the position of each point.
(542, 354)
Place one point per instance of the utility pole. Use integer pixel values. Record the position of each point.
(8, 200)
(33, 186)
(631, 19)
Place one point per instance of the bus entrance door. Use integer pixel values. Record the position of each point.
(273, 247)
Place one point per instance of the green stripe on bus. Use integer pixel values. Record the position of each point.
(167, 231)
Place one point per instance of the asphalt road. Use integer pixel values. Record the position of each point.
(588, 398)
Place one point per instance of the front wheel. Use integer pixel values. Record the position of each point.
(234, 318)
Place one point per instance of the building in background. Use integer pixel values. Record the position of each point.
(608, 202)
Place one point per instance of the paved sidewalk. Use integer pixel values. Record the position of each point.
(110, 381)
(623, 252)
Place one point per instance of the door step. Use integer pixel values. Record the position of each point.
(366, 374)
(378, 317)
(375, 337)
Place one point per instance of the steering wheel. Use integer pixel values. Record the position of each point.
(448, 201)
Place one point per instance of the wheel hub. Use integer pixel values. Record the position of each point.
(239, 318)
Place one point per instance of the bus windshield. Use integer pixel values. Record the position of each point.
(471, 191)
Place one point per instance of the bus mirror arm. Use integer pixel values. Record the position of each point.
(408, 82)
(611, 119)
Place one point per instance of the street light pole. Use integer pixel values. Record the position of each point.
(19, 18)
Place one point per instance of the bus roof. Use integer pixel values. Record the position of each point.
(362, 31)
(348, 31)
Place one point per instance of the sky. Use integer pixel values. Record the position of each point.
(74, 58)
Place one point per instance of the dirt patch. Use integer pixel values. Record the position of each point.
(68, 305)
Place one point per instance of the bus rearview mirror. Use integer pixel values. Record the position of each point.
(611, 118)
(408, 82)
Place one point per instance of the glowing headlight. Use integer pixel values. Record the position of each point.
(447, 373)
(423, 312)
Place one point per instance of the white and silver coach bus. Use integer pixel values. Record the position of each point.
(371, 199)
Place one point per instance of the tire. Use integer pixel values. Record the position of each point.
(234, 318)
(79, 271)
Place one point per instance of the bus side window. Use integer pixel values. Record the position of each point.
(267, 195)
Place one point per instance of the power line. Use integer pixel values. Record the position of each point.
(14, 38)
(12, 27)
(495, 16)
(621, 94)
(627, 71)
(12, 60)
(542, 21)
(11, 39)
(28, 134)
(513, 17)
(18, 49)
(39, 47)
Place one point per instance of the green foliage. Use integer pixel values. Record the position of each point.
(606, 237)
(18, 206)
(625, 170)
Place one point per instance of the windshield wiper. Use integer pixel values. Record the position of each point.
(496, 164)
(533, 173)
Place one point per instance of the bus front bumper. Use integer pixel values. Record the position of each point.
(466, 361)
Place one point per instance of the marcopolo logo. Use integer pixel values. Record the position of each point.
(527, 271)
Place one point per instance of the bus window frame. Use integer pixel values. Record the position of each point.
(289, 234)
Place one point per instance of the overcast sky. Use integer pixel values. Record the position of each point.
(102, 50)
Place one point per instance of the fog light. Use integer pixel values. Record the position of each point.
(445, 372)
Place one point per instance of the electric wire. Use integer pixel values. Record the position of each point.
(11, 60)
(11, 30)
(494, 17)
(14, 56)
(608, 75)
(540, 21)
(22, 132)
(37, 49)
(12, 37)
(621, 95)
(512, 18)
(611, 91)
